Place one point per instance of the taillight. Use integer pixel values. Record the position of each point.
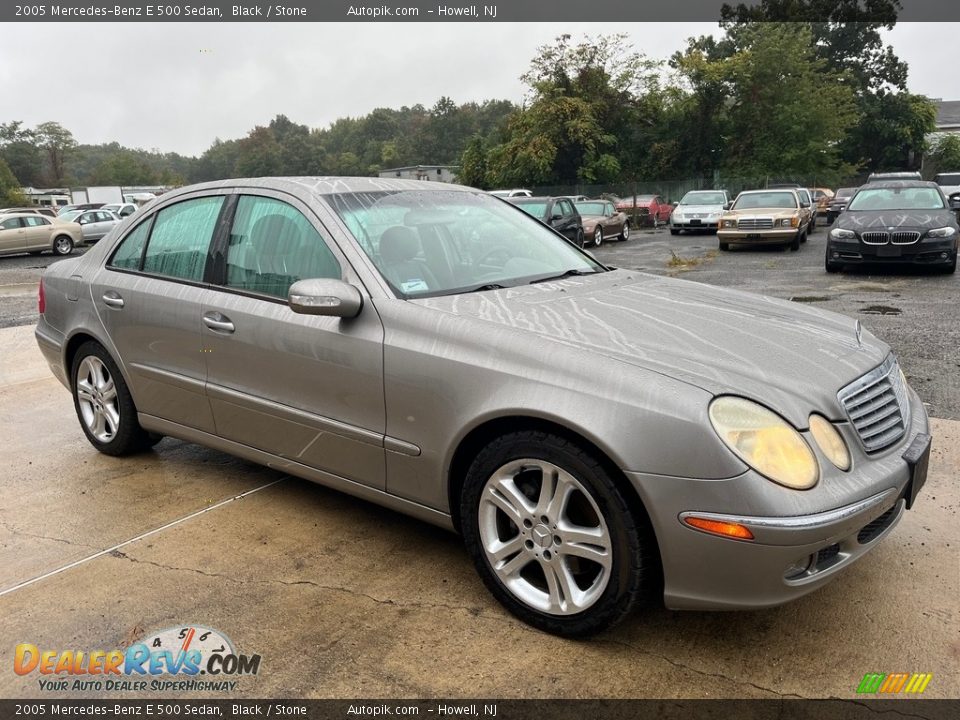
(41, 299)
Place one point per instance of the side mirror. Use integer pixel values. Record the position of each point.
(955, 202)
(804, 204)
(321, 296)
(555, 217)
(727, 205)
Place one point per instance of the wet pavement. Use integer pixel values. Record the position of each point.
(345, 599)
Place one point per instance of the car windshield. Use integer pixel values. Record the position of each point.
(845, 192)
(591, 208)
(908, 198)
(536, 208)
(111, 208)
(948, 179)
(765, 200)
(437, 242)
(703, 198)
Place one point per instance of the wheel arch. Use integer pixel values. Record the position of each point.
(488, 430)
(73, 344)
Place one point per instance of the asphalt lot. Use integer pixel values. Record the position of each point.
(344, 599)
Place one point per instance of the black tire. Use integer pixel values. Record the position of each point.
(62, 245)
(724, 246)
(128, 437)
(625, 232)
(952, 267)
(674, 231)
(580, 240)
(633, 572)
(598, 237)
(800, 237)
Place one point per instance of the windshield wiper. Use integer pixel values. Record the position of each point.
(481, 288)
(568, 273)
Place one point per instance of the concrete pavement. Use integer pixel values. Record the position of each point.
(344, 599)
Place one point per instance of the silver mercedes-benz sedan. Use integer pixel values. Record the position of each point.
(599, 437)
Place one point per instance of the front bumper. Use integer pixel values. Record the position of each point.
(802, 539)
(694, 224)
(758, 237)
(924, 252)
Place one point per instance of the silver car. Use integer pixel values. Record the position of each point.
(93, 223)
(598, 437)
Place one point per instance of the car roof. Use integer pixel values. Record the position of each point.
(770, 190)
(896, 184)
(319, 186)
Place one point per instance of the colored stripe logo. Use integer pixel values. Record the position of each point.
(892, 683)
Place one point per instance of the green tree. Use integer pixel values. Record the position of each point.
(784, 113)
(473, 164)
(18, 148)
(56, 142)
(944, 155)
(10, 192)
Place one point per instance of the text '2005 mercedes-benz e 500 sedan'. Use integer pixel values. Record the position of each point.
(598, 437)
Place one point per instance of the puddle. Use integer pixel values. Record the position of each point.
(810, 298)
(880, 310)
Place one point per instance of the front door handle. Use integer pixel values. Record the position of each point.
(218, 322)
(112, 299)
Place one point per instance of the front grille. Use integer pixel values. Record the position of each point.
(875, 527)
(905, 237)
(876, 405)
(755, 224)
(875, 238)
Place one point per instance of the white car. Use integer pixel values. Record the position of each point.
(93, 223)
(699, 210)
(516, 192)
(121, 210)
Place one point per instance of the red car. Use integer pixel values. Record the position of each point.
(646, 209)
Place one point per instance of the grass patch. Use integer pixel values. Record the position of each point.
(679, 263)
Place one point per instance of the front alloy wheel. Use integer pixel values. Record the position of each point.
(552, 536)
(544, 537)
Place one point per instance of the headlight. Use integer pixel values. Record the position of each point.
(729, 223)
(830, 441)
(784, 222)
(944, 232)
(677, 215)
(841, 234)
(765, 441)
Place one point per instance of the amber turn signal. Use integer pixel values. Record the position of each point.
(718, 527)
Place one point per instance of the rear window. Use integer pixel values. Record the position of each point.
(536, 209)
(947, 179)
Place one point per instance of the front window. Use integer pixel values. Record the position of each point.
(908, 198)
(785, 200)
(435, 242)
(703, 198)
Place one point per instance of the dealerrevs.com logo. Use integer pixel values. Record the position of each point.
(186, 658)
(893, 683)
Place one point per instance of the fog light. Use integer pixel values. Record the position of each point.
(836, 255)
(800, 567)
(943, 256)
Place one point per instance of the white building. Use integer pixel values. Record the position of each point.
(437, 173)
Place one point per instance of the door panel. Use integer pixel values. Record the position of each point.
(303, 387)
(12, 236)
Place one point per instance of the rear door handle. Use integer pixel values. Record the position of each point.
(218, 322)
(112, 299)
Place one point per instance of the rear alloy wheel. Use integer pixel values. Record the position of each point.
(625, 232)
(62, 245)
(551, 535)
(598, 237)
(103, 404)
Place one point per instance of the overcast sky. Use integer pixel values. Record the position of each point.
(176, 87)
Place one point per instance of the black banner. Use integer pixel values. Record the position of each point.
(420, 11)
(488, 709)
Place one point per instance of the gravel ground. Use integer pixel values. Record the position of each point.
(915, 312)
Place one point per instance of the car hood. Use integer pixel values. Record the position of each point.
(859, 220)
(789, 356)
(699, 209)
